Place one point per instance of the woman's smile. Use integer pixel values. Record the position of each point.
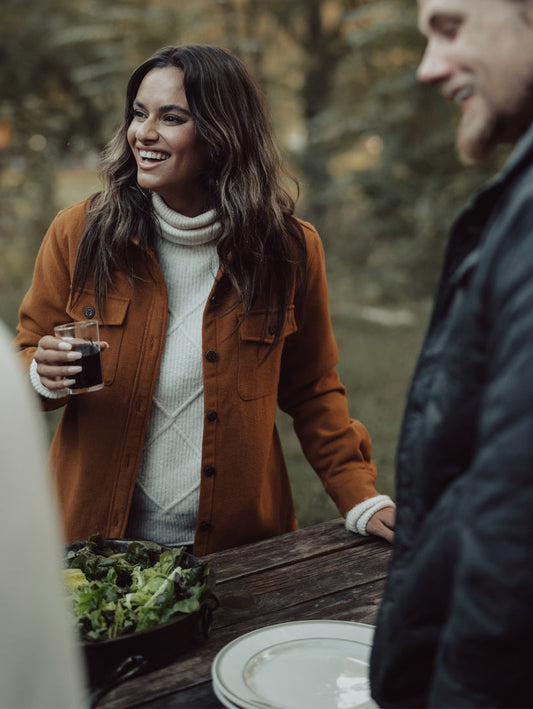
(149, 156)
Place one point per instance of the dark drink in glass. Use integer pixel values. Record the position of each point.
(90, 377)
(84, 337)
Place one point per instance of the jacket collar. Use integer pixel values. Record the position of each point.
(464, 244)
(523, 151)
(521, 155)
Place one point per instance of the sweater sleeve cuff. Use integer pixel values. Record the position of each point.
(357, 518)
(42, 390)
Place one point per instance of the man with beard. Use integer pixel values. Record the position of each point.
(456, 621)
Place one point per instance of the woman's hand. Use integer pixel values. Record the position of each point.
(57, 362)
(381, 524)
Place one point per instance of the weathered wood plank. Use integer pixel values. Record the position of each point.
(323, 538)
(201, 695)
(261, 594)
(323, 572)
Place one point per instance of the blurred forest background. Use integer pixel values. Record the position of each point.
(372, 150)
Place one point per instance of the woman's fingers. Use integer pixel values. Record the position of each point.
(56, 362)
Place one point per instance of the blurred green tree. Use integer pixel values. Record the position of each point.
(64, 67)
(373, 150)
(405, 177)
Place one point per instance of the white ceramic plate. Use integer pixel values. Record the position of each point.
(318, 664)
(222, 698)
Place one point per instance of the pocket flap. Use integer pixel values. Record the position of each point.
(115, 309)
(256, 329)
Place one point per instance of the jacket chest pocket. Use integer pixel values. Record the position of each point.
(259, 366)
(111, 324)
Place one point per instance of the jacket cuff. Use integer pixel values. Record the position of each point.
(357, 518)
(41, 389)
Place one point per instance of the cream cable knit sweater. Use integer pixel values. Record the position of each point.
(166, 495)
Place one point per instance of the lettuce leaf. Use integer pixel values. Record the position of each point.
(115, 594)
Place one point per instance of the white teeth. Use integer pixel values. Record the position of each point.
(149, 155)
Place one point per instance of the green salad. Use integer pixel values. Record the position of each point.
(113, 594)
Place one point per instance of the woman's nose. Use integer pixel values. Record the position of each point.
(146, 130)
(434, 66)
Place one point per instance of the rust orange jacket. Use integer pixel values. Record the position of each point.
(245, 493)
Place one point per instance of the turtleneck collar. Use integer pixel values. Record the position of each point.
(184, 230)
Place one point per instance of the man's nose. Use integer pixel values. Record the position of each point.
(434, 66)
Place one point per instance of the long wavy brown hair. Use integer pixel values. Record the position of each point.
(260, 244)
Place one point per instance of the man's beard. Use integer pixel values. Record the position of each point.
(478, 137)
(476, 141)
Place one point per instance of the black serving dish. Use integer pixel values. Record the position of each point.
(109, 662)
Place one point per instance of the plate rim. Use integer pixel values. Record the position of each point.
(273, 628)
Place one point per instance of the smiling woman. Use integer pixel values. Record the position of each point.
(212, 297)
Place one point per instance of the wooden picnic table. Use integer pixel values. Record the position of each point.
(320, 572)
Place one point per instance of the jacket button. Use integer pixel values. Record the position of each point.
(205, 526)
(272, 329)
(211, 356)
(209, 471)
(212, 415)
(89, 312)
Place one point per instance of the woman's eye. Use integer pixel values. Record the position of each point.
(173, 119)
(138, 113)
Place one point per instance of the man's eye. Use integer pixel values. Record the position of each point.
(447, 27)
(449, 30)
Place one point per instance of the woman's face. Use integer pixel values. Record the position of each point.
(171, 157)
